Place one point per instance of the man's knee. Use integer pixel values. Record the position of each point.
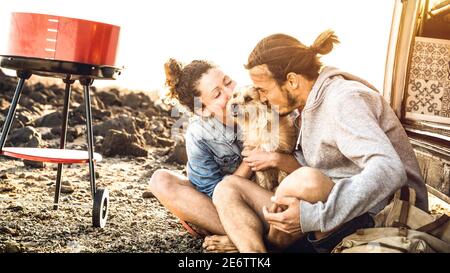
(307, 183)
(300, 178)
(161, 181)
(225, 189)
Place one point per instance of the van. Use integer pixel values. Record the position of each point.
(417, 84)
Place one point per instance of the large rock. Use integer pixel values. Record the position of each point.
(38, 96)
(34, 164)
(77, 95)
(157, 126)
(12, 247)
(123, 144)
(8, 87)
(163, 108)
(136, 100)
(25, 116)
(31, 105)
(178, 154)
(57, 90)
(27, 137)
(121, 123)
(109, 98)
(72, 133)
(141, 123)
(155, 140)
(7, 84)
(77, 116)
(151, 112)
(50, 120)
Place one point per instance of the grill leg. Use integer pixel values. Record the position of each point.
(87, 82)
(23, 76)
(62, 143)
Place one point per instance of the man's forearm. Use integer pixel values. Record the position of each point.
(286, 162)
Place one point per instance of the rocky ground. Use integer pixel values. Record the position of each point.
(131, 131)
(136, 222)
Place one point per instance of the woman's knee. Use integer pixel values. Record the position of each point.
(225, 188)
(161, 181)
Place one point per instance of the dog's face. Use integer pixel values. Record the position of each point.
(245, 104)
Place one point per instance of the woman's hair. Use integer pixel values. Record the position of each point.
(284, 54)
(182, 81)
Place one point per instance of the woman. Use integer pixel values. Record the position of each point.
(213, 148)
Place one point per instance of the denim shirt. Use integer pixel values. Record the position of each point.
(213, 151)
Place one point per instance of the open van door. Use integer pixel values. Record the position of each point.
(417, 84)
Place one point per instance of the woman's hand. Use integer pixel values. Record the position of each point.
(259, 160)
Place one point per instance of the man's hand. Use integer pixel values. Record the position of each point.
(287, 220)
(259, 160)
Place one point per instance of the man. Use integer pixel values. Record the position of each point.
(354, 152)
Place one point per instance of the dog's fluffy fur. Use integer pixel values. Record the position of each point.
(264, 129)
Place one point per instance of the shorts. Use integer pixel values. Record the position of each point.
(309, 244)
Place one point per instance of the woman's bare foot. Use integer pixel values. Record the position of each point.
(219, 244)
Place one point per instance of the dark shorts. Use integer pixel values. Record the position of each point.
(309, 244)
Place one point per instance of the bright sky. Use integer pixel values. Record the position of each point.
(224, 31)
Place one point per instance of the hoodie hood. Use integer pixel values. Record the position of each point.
(327, 74)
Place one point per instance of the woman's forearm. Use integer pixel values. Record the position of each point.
(243, 170)
(286, 162)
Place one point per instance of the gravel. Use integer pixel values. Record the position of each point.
(137, 222)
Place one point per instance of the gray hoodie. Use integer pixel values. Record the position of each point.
(350, 133)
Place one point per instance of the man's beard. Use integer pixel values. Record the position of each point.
(292, 103)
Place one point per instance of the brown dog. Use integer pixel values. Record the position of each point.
(264, 129)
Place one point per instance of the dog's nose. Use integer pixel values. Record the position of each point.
(234, 109)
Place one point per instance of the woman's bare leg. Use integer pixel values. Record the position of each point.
(181, 198)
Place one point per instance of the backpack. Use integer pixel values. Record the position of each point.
(401, 228)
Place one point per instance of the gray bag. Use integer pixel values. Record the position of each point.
(401, 228)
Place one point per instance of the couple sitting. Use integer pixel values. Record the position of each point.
(351, 155)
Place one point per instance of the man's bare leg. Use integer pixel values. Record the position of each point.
(306, 184)
(239, 203)
(181, 198)
(279, 240)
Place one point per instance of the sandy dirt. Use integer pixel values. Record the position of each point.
(135, 224)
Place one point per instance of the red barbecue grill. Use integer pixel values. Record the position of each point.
(70, 49)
